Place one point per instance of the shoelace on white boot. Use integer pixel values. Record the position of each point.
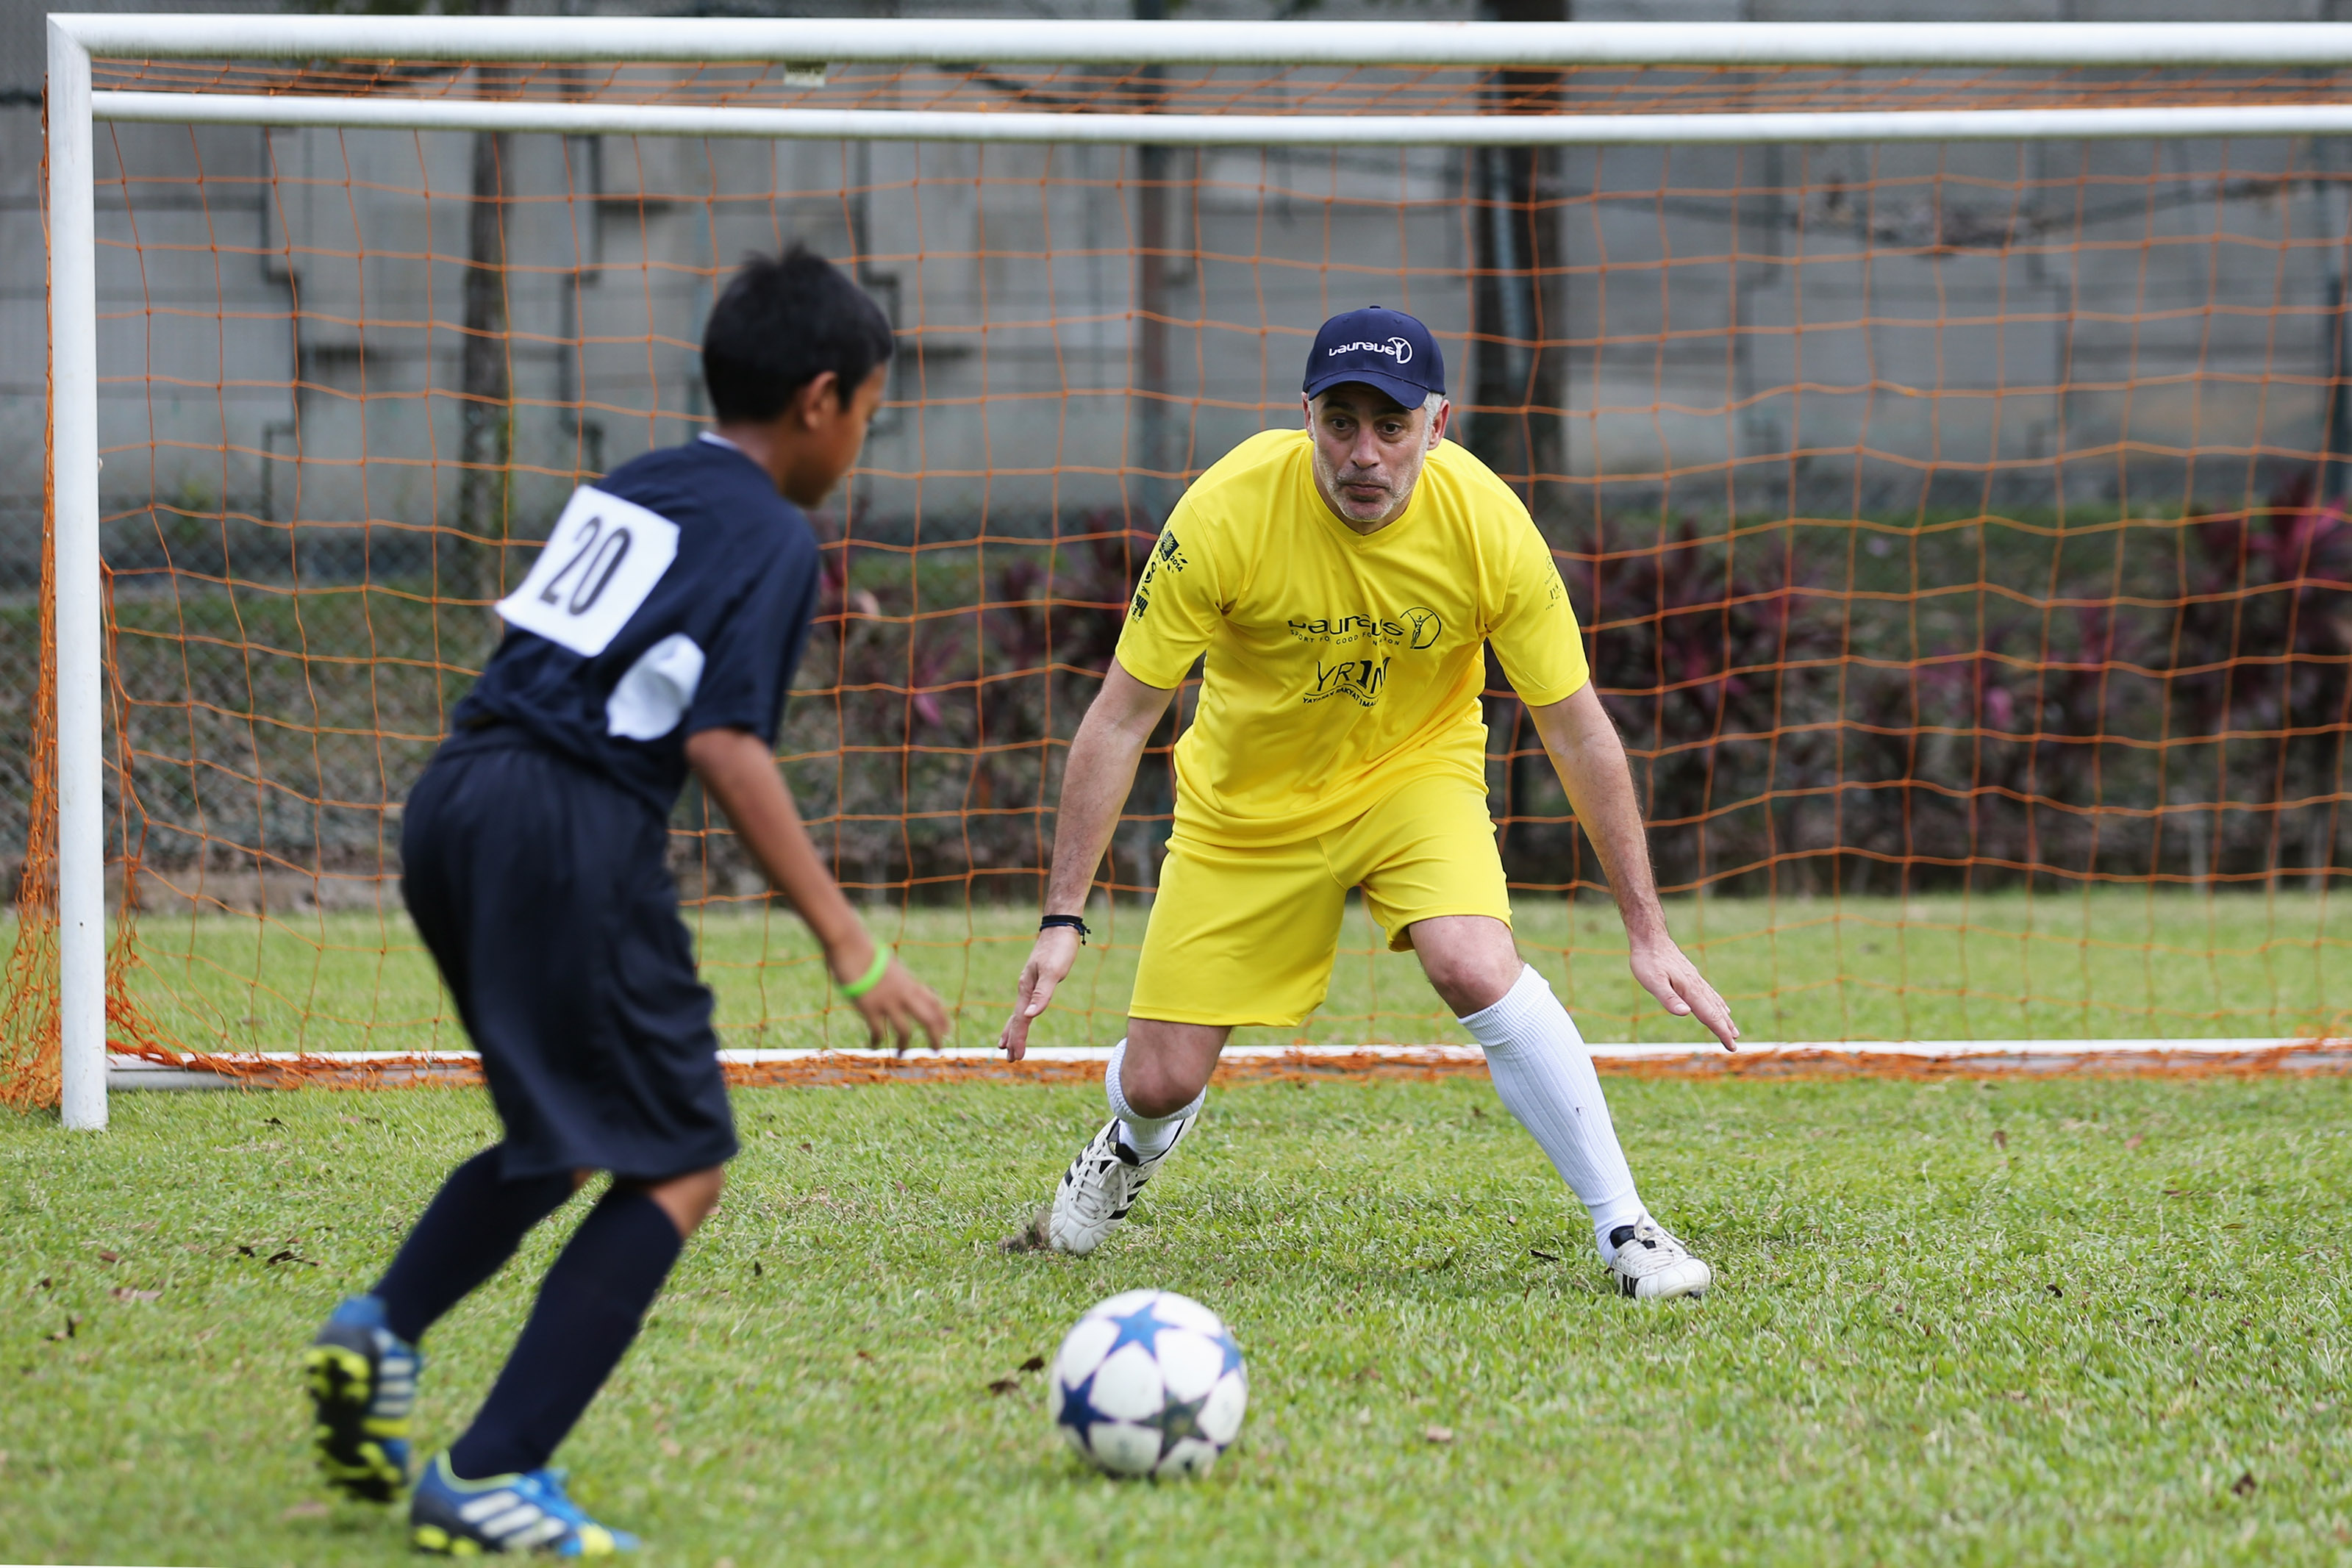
(1652, 1263)
(1099, 1187)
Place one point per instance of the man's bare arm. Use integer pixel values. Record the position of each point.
(1590, 759)
(735, 766)
(1094, 785)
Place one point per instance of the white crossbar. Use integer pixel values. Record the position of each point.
(949, 41)
(2216, 121)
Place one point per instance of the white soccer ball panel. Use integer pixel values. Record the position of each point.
(1082, 1349)
(1186, 1312)
(1123, 1449)
(1189, 1458)
(1221, 1418)
(1127, 1386)
(1189, 1364)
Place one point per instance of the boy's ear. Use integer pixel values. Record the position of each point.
(809, 402)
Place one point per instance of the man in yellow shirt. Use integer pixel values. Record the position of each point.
(1342, 583)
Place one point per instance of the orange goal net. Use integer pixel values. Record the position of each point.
(1958, 528)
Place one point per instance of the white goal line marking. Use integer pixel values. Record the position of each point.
(138, 1072)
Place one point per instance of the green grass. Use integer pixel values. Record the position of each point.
(2104, 964)
(2050, 1321)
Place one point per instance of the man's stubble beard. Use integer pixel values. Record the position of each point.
(1392, 506)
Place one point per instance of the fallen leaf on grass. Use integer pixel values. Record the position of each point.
(1034, 1363)
(2000, 1138)
(865, 1355)
(2244, 1485)
(313, 1508)
(1005, 1385)
(1539, 1252)
(290, 1256)
(125, 1293)
(106, 1257)
(1438, 1434)
(2133, 1142)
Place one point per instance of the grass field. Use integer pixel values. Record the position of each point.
(2104, 964)
(2055, 1322)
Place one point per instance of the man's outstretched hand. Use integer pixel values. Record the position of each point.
(1049, 964)
(1676, 981)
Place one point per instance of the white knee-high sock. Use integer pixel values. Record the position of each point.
(1545, 1077)
(1147, 1136)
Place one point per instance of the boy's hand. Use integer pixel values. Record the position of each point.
(1049, 964)
(898, 1005)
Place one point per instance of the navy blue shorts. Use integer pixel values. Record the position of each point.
(543, 892)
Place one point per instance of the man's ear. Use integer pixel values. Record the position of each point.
(1438, 422)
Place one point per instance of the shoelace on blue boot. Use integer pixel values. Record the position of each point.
(521, 1512)
(362, 1383)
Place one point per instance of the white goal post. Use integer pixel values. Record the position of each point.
(73, 108)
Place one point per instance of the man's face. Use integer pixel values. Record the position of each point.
(1368, 451)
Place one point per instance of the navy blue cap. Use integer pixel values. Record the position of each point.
(1384, 348)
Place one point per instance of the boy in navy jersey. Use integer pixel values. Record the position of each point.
(654, 635)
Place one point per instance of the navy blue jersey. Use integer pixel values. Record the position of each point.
(673, 596)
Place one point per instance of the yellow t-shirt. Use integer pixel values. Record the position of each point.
(1341, 665)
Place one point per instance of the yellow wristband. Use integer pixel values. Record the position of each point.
(853, 989)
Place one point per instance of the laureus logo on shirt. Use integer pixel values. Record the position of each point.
(1419, 627)
(1167, 553)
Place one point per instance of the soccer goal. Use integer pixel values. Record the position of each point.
(1942, 428)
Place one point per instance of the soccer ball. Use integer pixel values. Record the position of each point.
(1150, 1383)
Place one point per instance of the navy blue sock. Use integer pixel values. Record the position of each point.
(466, 1234)
(588, 1310)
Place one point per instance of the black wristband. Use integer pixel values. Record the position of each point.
(1071, 921)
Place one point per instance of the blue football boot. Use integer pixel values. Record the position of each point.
(526, 1512)
(362, 1383)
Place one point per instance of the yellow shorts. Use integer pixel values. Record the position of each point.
(1247, 936)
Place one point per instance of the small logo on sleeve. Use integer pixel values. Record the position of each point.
(1167, 553)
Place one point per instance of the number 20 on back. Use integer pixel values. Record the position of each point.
(604, 556)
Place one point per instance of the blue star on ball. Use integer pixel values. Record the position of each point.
(1141, 1327)
(1177, 1419)
(1078, 1412)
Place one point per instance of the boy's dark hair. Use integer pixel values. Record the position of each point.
(783, 322)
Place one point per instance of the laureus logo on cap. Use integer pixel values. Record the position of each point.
(1381, 348)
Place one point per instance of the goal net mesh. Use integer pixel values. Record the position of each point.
(1959, 528)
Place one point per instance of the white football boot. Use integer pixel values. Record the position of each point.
(1101, 1187)
(1653, 1265)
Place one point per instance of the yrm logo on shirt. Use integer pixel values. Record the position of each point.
(1359, 679)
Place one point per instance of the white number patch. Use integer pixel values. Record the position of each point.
(603, 557)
